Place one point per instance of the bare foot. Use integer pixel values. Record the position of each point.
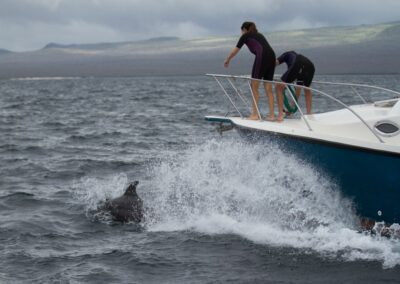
(280, 118)
(253, 117)
(287, 114)
(270, 118)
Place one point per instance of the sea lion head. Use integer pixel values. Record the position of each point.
(131, 189)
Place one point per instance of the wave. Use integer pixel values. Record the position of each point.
(253, 191)
(91, 191)
(263, 195)
(44, 78)
(17, 195)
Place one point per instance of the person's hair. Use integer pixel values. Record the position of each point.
(250, 27)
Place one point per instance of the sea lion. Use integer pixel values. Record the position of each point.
(128, 207)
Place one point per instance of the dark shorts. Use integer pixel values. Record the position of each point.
(302, 72)
(264, 67)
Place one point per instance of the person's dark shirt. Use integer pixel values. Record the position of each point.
(256, 43)
(289, 57)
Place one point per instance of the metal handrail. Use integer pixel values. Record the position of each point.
(314, 90)
(299, 108)
(358, 85)
(359, 95)
(226, 93)
(244, 100)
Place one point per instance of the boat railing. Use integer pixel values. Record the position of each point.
(231, 79)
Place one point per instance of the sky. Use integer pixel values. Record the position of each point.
(31, 24)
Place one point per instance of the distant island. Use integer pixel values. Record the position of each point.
(4, 51)
(354, 49)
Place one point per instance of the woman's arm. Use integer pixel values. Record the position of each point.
(232, 54)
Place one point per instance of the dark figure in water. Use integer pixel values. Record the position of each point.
(128, 207)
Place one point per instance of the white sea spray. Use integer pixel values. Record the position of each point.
(263, 195)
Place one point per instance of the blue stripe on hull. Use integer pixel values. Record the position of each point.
(370, 178)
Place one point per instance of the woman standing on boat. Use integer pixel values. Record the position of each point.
(263, 68)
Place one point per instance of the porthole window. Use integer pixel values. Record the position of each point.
(387, 128)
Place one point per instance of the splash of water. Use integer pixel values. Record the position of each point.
(262, 194)
(93, 191)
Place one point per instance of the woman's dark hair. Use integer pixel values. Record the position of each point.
(250, 27)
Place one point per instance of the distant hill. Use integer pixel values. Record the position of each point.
(106, 45)
(4, 51)
(356, 49)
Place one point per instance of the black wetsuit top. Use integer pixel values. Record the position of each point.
(264, 64)
(289, 57)
(300, 68)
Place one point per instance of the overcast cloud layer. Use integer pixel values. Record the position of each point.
(31, 24)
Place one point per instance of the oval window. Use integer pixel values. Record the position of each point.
(387, 128)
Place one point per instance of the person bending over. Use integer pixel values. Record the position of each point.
(301, 70)
(263, 67)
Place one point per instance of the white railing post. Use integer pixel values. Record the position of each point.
(222, 87)
(299, 108)
(358, 94)
(238, 93)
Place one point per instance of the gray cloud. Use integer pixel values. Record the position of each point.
(30, 24)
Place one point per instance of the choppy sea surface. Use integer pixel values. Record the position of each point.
(218, 210)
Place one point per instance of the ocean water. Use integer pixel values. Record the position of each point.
(218, 210)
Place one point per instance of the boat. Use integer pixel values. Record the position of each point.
(357, 146)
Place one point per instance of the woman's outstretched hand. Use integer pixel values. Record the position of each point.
(226, 63)
(232, 54)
